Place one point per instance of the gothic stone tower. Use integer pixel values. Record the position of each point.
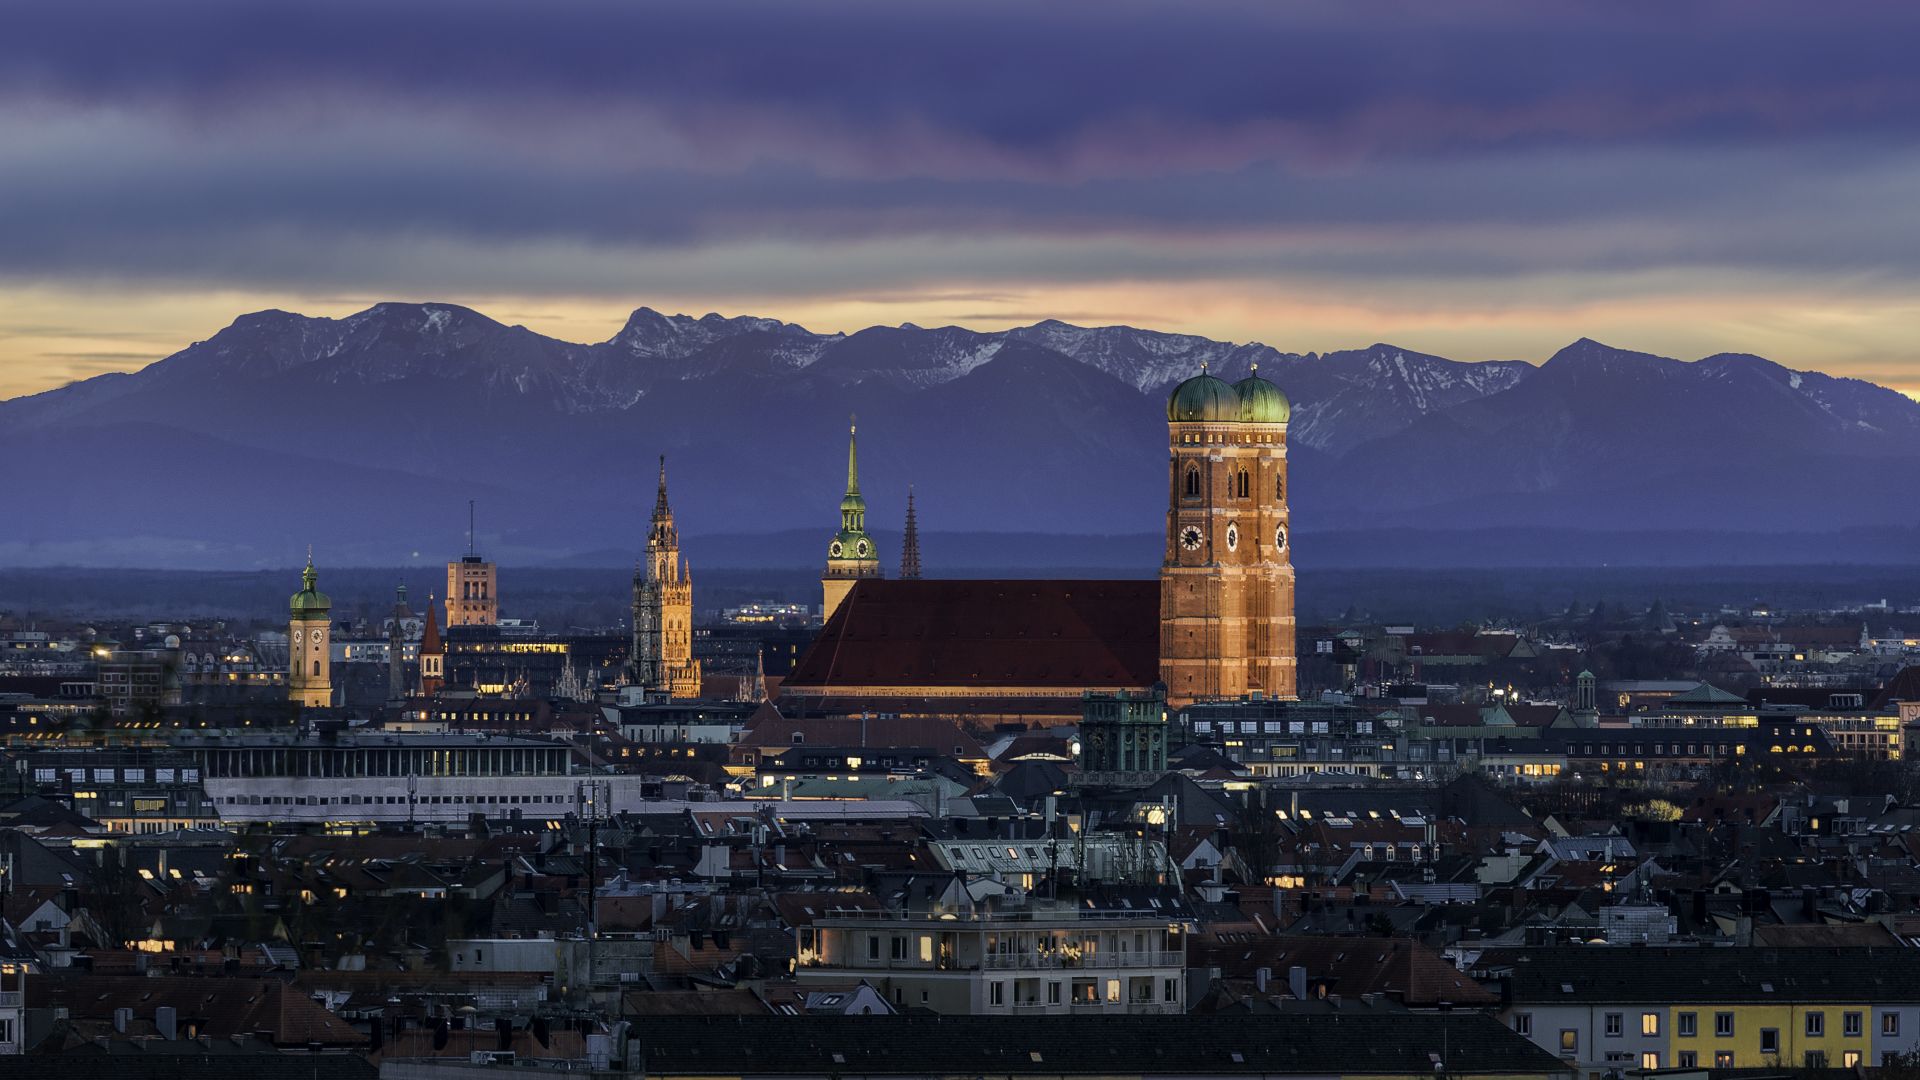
(1226, 583)
(851, 555)
(309, 656)
(663, 610)
(397, 646)
(910, 544)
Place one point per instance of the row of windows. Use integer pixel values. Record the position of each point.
(1686, 1025)
(1723, 1059)
(1087, 992)
(128, 775)
(1239, 485)
(1279, 727)
(391, 800)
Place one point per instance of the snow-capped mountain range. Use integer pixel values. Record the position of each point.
(371, 431)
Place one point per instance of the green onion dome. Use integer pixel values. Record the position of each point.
(1261, 402)
(1203, 398)
(310, 600)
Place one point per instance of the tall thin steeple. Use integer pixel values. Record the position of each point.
(433, 655)
(853, 457)
(910, 544)
(851, 554)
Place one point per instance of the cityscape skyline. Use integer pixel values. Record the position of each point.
(1251, 540)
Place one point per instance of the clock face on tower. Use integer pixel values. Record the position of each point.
(861, 549)
(834, 549)
(1190, 538)
(1280, 536)
(297, 635)
(1233, 537)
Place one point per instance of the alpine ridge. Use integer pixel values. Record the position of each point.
(369, 432)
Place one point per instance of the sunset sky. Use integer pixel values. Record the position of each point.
(1478, 180)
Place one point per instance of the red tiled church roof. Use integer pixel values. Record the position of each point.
(1039, 633)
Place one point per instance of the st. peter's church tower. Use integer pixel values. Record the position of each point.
(1226, 582)
(851, 554)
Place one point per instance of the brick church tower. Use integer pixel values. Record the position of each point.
(1226, 582)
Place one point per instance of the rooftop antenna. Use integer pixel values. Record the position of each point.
(469, 526)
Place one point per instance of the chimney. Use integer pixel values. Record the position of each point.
(167, 1021)
(121, 1018)
(1297, 982)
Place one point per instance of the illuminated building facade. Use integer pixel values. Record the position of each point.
(1226, 581)
(309, 650)
(662, 654)
(851, 555)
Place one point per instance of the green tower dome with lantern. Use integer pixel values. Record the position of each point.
(1203, 398)
(1261, 402)
(310, 602)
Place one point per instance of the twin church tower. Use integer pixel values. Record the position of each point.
(1226, 597)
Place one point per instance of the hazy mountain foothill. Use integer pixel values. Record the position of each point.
(1041, 446)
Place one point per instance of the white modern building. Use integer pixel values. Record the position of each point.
(1025, 963)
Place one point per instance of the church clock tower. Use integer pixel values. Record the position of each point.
(1226, 581)
(851, 555)
(309, 653)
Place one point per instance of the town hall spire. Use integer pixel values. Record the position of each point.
(661, 660)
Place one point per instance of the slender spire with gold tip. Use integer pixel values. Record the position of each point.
(851, 554)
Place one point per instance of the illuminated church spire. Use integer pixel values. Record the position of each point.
(851, 554)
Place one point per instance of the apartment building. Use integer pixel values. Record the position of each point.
(1065, 961)
(1603, 1009)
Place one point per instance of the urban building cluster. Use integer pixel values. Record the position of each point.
(945, 827)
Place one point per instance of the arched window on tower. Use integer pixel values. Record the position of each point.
(1243, 485)
(1280, 488)
(1193, 482)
